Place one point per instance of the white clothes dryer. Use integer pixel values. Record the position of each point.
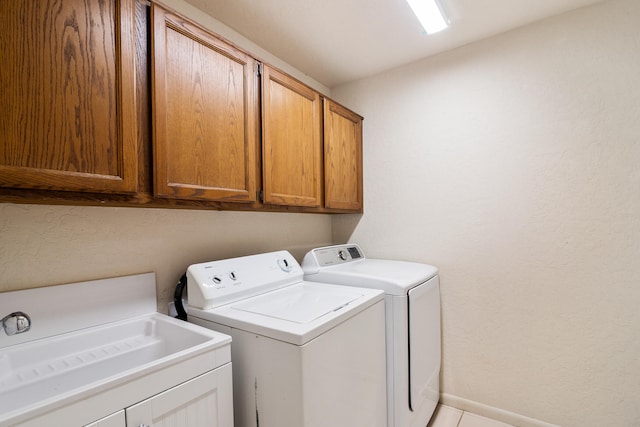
(304, 354)
(412, 303)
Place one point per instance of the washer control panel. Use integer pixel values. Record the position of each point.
(215, 283)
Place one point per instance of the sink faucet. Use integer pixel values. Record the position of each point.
(16, 323)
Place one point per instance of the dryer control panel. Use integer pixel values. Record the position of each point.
(332, 255)
(215, 283)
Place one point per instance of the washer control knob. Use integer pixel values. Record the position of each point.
(342, 254)
(233, 276)
(285, 265)
(216, 279)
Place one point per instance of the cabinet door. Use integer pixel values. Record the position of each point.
(292, 141)
(342, 157)
(113, 420)
(205, 401)
(67, 95)
(204, 114)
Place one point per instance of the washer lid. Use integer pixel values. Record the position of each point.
(295, 314)
(299, 304)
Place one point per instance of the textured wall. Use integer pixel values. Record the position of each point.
(513, 165)
(50, 245)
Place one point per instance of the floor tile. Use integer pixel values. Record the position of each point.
(445, 416)
(473, 420)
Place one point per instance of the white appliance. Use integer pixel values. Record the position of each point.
(412, 302)
(304, 354)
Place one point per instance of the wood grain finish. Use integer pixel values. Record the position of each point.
(292, 141)
(68, 95)
(110, 103)
(204, 114)
(342, 157)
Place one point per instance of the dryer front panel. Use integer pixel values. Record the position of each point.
(424, 345)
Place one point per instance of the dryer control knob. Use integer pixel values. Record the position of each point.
(342, 254)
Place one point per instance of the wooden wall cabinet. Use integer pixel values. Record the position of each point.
(121, 103)
(342, 158)
(291, 141)
(205, 141)
(68, 96)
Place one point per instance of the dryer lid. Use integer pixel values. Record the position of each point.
(299, 304)
(392, 277)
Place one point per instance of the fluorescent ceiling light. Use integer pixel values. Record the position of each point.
(429, 14)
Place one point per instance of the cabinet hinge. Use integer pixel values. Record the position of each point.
(261, 196)
(258, 69)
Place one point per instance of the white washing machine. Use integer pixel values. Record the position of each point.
(412, 302)
(304, 354)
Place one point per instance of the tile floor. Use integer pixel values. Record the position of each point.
(446, 416)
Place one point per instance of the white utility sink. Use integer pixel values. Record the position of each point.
(43, 374)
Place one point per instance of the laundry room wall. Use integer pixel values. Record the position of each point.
(48, 245)
(513, 165)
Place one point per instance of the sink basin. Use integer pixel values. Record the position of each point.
(35, 372)
(97, 356)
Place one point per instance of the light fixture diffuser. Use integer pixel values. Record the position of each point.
(430, 15)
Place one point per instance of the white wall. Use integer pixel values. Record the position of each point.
(513, 165)
(50, 245)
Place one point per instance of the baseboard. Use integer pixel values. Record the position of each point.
(491, 412)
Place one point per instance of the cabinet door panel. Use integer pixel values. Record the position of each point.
(292, 141)
(68, 96)
(205, 401)
(204, 108)
(342, 157)
(113, 420)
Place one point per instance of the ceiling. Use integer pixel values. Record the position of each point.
(337, 41)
